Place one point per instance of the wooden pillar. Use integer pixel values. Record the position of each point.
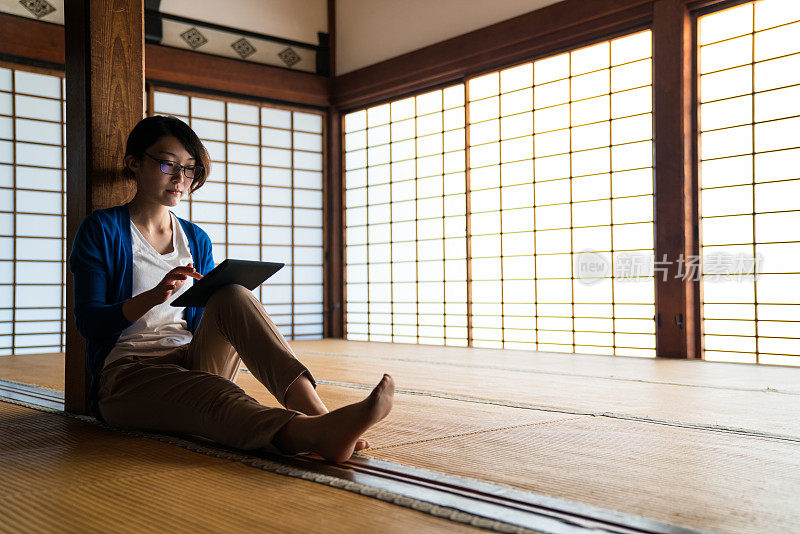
(334, 229)
(334, 205)
(104, 49)
(676, 239)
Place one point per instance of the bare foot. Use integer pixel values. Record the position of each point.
(334, 435)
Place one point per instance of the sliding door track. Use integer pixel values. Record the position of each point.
(502, 504)
(40, 396)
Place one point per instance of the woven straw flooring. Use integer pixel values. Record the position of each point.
(702, 445)
(60, 474)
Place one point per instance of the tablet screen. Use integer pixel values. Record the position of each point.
(248, 273)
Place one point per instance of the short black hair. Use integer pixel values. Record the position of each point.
(150, 129)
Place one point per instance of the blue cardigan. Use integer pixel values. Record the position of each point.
(101, 262)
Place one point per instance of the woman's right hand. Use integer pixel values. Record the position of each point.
(172, 282)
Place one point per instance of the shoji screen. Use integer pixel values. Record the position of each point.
(749, 87)
(263, 198)
(32, 207)
(406, 218)
(560, 166)
(557, 171)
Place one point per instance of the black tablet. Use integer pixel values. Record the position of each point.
(248, 273)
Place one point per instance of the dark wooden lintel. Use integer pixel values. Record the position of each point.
(34, 42)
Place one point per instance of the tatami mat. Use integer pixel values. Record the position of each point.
(684, 477)
(60, 474)
(752, 409)
(45, 370)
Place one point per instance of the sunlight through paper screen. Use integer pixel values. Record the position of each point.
(560, 157)
(32, 212)
(405, 216)
(558, 161)
(749, 87)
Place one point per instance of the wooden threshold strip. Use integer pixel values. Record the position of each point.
(49, 398)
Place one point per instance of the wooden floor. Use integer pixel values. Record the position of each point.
(700, 445)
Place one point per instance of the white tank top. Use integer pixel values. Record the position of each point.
(162, 327)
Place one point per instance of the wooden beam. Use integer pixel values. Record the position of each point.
(541, 32)
(32, 42)
(30, 39)
(184, 67)
(105, 78)
(676, 215)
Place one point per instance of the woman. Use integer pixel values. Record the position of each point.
(169, 369)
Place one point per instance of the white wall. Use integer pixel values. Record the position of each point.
(299, 20)
(370, 31)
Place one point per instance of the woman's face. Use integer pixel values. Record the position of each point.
(156, 185)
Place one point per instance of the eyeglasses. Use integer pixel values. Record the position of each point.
(172, 168)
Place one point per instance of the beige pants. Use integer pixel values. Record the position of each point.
(190, 389)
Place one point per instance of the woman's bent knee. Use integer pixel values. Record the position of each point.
(231, 292)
